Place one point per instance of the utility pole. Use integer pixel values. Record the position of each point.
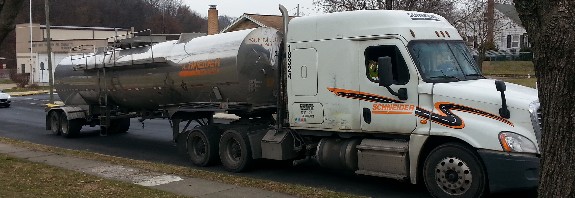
(490, 21)
(31, 39)
(297, 9)
(49, 43)
(389, 4)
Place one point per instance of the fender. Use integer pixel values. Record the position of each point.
(71, 113)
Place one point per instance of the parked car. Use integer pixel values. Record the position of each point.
(4, 99)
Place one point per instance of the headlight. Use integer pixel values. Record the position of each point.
(513, 142)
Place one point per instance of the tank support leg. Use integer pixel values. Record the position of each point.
(175, 128)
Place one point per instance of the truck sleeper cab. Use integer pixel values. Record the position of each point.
(435, 116)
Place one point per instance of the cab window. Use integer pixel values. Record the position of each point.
(399, 68)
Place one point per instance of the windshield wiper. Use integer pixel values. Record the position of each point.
(445, 76)
(478, 75)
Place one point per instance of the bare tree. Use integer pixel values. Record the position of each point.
(476, 26)
(550, 27)
(225, 21)
(8, 11)
(348, 5)
(444, 8)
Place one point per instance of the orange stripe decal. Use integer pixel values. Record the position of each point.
(392, 112)
(444, 115)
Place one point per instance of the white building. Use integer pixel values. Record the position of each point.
(64, 38)
(512, 36)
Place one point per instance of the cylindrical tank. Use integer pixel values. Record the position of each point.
(230, 71)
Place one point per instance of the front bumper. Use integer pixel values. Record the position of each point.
(510, 171)
(4, 102)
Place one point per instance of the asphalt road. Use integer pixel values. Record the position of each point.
(25, 120)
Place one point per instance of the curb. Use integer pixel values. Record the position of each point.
(27, 93)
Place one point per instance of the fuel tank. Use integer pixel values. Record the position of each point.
(236, 70)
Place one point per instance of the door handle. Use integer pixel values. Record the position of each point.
(367, 115)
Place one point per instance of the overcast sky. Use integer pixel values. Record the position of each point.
(235, 8)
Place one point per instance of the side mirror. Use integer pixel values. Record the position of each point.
(503, 111)
(385, 75)
(500, 85)
(384, 71)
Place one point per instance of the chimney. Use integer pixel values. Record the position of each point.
(213, 26)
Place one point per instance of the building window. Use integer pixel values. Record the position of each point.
(399, 67)
(515, 38)
(23, 68)
(524, 41)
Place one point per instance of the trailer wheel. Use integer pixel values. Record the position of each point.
(55, 123)
(203, 145)
(453, 170)
(235, 151)
(70, 128)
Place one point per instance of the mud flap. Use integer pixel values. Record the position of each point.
(181, 143)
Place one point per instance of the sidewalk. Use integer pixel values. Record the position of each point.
(180, 185)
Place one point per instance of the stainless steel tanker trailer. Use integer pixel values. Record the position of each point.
(235, 72)
(391, 94)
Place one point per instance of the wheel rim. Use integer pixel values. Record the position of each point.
(64, 125)
(54, 123)
(199, 147)
(234, 150)
(453, 176)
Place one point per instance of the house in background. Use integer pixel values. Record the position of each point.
(65, 39)
(512, 37)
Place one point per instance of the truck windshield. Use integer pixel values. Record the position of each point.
(444, 61)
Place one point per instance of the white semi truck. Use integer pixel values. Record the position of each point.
(392, 94)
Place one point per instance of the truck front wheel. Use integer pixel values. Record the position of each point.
(453, 170)
(235, 151)
(203, 145)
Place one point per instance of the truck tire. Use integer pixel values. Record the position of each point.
(453, 170)
(202, 143)
(70, 128)
(235, 151)
(55, 123)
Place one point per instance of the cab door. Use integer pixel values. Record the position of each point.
(382, 111)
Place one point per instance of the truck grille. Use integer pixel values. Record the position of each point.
(540, 119)
(536, 119)
(3, 100)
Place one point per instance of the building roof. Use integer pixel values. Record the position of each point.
(84, 28)
(509, 11)
(273, 21)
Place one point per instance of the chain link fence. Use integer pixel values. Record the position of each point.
(492, 55)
